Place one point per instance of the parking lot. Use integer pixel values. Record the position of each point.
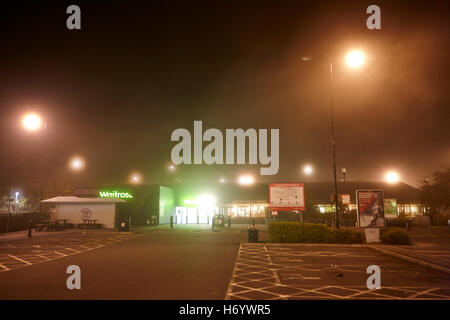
(318, 271)
(19, 253)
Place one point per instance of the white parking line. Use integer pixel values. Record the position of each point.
(4, 268)
(18, 259)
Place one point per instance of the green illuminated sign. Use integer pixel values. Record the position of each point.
(390, 207)
(115, 194)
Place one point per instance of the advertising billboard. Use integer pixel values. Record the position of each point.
(370, 208)
(390, 207)
(286, 196)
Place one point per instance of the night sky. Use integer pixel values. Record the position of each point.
(115, 90)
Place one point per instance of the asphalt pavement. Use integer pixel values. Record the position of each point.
(193, 262)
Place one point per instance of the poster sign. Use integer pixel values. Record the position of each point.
(345, 199)
(390, 207)
(286, 196)
(274, 213)
(370, 208)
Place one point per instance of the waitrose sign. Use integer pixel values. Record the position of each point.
(115, 194)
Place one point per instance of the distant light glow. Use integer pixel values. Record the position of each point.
(246, 180)
(222, 180)
(172, 167)
(76, 163)
(205, 201)
(355, 58)
(32, 122)
(135, 178)
(308, 169)
(392, 177)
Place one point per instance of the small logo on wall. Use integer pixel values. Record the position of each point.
(85, 214)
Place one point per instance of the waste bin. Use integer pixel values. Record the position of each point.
(252, 234)
(218, 221)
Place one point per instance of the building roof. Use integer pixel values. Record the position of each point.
(73, 199)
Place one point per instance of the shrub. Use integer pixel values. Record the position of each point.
(395, 236)
(346, 236)
(311, 233)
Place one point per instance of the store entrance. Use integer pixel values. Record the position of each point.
(193, 215)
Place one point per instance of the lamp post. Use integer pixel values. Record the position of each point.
(354, 59)
(172, 168)
(33, 122)
(333, 147)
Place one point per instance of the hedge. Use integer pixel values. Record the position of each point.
(311, 233)
(394, 236)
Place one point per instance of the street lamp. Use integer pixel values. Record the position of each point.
(392, 177)
(77, 163)
(135, 178)
(172, 168)
(31, 122)
(354, 60)
(246, 180)
(222, 180)
(308, 169)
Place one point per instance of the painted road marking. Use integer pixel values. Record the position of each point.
(259, 273)
(53, 248)
(19, 259)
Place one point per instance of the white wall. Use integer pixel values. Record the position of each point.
(105, 213)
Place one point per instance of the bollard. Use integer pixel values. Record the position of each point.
(171, 222)
(229, 221)
(30, 228)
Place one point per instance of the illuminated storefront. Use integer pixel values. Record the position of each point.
(198, 203)
(247, 209)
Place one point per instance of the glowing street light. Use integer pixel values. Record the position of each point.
(172, 167)
(222, 180)
(355, 58)
(77, 163)
(308, 169)
(31, 122)
(391, 177)
(246, 180)
(135, 178)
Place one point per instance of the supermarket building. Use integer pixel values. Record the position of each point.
(198, 203)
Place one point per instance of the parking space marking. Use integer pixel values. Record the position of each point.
(4, 268)
(19, 259)
(269, 272)
(21, 253)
